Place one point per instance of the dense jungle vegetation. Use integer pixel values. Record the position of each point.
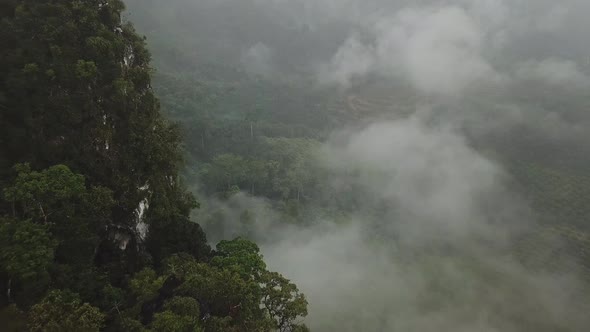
(139, 194)
(95, 232)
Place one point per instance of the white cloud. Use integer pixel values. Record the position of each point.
(351, 60)
(439, 50)
(433, 259)
(258, 59)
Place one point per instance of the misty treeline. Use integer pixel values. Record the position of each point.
(95, 233)
(409, 166)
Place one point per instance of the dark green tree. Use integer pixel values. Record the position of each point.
(181, 314)
(177, 235)
(26, 254)
(63, 311)
(59, 199)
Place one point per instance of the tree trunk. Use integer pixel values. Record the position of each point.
(8, 290)
(43, 213)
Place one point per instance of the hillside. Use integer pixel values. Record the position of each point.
(406, 166)
(95, 228)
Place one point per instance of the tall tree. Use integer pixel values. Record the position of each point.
(63, 311)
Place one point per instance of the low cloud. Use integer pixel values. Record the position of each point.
(258, 60)
(553, 71)
(427, 243)
(448, 49)
(353, 59)
(435, 257)
(427, 246)
(439, 50)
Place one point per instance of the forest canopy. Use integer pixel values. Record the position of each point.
(404, 165)
(95, 228)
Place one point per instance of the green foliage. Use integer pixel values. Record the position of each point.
(218, 324)
(63, 311)
(132, 325)
(113, 298)
(27, 252)
(225, 170)
(86, 69)
(283, 169)
(173, 236)
(169, 321)
(145, 284)
(184, 306)
(75, 87)
(226, 292)
(238, 275)
(240, 255)
(59, 198)
(92, 205)
(180, 314)
(26, 249)
(88, 281)
(80, 120)
(38, 192)
(283, 302)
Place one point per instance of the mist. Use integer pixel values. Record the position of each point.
(432, 242)
(409, 268)
(429, 248)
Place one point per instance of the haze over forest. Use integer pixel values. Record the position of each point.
(408, 165)
(459, 128)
